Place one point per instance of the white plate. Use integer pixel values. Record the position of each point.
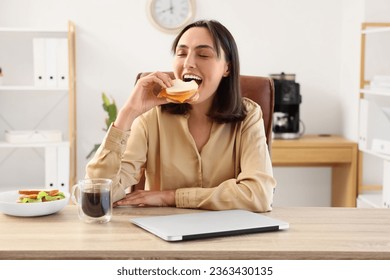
(9, 206)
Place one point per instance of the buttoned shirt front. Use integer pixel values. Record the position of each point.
(232, 171)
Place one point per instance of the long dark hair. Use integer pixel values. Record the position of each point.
(227, 104)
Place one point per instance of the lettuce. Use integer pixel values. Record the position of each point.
(30, 200)
(43, 195)
(60, 195)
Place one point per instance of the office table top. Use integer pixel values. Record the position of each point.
(314, 233)
(314, 140)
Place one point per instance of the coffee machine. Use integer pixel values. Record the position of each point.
(286, 121)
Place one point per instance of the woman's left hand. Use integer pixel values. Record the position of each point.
(148, 198)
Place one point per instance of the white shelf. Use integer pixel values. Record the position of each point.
(374, 110)
(370, 199)
(375, 92)
(6, 188)
(376, 30)
(60, 167)
(31, 30)
(4, 144)
(31, 88)
(376, 154)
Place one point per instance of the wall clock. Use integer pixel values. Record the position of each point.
(170, 15)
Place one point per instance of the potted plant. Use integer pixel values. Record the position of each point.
(111, 109)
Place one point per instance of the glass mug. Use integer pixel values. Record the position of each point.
(93, 198)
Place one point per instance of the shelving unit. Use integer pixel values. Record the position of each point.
(18, 68)
(374, 114)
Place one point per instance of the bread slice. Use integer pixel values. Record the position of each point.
(181, 92)
(35, 192)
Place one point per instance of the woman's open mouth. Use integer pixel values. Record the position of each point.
(190, 77)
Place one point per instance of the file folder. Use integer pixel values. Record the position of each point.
(62, 63)
(39, 57)
(386, 184)
(51, 169)
(63, 158)
(51, 62)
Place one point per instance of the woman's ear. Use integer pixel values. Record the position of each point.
(227, 70)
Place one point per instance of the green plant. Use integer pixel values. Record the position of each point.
(111, 109)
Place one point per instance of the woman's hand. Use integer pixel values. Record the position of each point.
(143, 98)
(148, 198)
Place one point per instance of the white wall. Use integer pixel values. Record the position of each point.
(316, 40)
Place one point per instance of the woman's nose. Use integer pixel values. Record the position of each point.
(189, 62)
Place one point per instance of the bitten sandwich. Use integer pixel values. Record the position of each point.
(39, 195)
(181, 92)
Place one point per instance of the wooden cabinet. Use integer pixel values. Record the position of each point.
(26, 105)
(327, 150)
(374, 115)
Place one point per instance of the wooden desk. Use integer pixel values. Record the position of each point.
(314, 150)
(315, 233)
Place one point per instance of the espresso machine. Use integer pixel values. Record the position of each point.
(286, 120)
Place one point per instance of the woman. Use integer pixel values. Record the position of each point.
(211, 154)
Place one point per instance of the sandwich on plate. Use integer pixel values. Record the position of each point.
(39, 195)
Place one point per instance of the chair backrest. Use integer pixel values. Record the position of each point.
(259, 89)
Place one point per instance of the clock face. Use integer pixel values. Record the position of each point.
(171, 15)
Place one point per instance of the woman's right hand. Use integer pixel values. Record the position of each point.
(143, 98)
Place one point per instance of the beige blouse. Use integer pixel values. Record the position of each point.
(233, 170)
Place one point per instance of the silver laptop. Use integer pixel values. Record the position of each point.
(208, 224)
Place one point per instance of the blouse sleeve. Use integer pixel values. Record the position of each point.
(253, 187)
(108, 162)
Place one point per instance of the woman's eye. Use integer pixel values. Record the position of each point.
(205, 54)
(181, 54)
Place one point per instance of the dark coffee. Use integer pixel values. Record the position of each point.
(95, 204)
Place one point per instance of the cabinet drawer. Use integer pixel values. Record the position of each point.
(311, 156)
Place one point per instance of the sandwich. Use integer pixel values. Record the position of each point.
(39, 195)
(181, 92)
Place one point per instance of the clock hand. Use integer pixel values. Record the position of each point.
(164, 11)
(171, 6)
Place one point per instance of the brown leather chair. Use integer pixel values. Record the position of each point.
(260, 90)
